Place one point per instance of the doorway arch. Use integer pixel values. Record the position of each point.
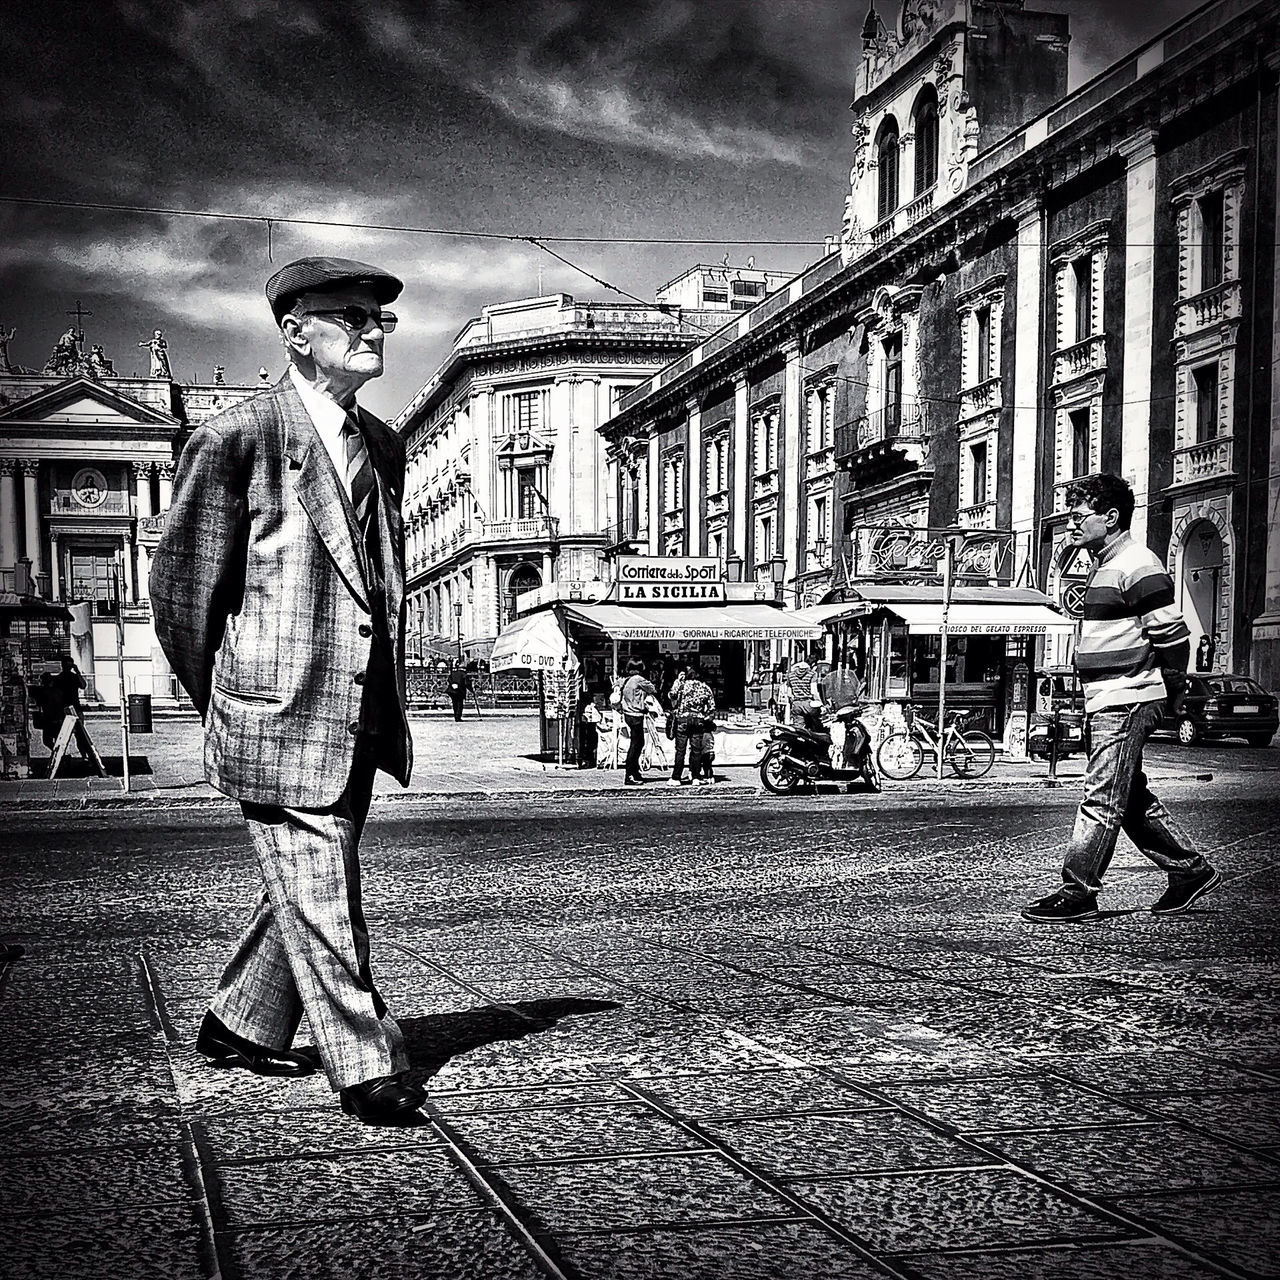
(1203, 564)
(523, 577)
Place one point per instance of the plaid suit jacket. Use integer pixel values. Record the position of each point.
(262, 606)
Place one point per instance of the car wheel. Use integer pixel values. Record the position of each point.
(1258, 739)
(1187, 732)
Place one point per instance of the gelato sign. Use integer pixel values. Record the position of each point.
(670, 580)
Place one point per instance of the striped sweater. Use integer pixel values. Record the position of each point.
(1129, 629)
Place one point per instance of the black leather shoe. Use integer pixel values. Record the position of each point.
(384, 1100)
(224, 1048)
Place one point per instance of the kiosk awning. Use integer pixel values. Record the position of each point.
(533, 643)
(1012, 619)
(708, 622)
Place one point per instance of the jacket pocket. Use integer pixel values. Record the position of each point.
(249, 699)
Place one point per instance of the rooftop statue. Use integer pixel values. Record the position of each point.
(67, 359)
(99, 365)
(159, 349)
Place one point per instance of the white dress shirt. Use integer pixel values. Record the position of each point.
(329, 418)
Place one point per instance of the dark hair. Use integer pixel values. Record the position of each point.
(635, 667)
(691, 668)
(1103, 492)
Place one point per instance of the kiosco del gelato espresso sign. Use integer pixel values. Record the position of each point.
(670, 580)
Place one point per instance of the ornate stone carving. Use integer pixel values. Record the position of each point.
(67, 360)
(99, 366)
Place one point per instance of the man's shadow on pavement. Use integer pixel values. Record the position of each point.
(432, 1040)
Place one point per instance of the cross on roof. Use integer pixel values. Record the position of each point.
(80, 313)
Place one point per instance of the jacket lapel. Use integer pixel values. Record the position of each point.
(389, 499)
(320, 494)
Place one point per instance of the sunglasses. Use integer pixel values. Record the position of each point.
(356, 318)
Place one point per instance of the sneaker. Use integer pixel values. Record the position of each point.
(633, 782)
(699, 782)
(1062, 908)
(1182, 893)
(676, 782)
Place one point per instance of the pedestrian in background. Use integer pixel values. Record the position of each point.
(456, 687)
(801, 678)
(632, 699)
(588, 717)
(692, 706)
(1131, 654)
(278, 594)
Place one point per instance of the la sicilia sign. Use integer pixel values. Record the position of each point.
(669, 580)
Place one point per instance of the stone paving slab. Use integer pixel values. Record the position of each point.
(758, 1047)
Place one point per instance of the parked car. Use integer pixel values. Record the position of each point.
(1225, 707)
(1059, 700)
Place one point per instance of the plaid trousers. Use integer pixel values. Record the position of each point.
(306, 946)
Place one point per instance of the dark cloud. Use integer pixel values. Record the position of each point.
(714, 118)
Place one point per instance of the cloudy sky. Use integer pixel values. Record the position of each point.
(717, 120)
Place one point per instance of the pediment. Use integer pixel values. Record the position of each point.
(81, 402)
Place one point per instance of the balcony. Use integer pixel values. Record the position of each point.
(819, 464)
(986, 397)
(919, 208)
(626, 536)
(534, 529)
(1208, 460)
(65, 503)
(981, 515)
(1080, 359)
(902, 420)
(882, 232)
(1206, 309)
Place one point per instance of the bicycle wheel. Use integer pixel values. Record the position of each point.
(971, 754)
(900, 757)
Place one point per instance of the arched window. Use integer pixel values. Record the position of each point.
(926, 133)
(887, 151)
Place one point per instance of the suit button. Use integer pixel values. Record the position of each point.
(365, 630)
(358, 677)
(353, 728)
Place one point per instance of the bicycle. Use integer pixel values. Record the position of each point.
(971, 753)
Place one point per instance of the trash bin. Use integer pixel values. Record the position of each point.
(139, 713)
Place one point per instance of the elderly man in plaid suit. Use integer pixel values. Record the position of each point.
(278, 592)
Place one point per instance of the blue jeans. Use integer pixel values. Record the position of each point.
(1117, 798)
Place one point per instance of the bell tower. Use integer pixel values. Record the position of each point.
(953, 79)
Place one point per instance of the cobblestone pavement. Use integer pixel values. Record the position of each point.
(687, 1036)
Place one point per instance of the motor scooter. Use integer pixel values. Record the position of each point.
(801, 756)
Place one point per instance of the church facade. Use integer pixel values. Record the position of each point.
(1028, 285)
(86, 471)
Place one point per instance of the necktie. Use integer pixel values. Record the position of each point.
(359, 472)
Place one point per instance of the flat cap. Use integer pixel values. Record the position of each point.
(315, 275)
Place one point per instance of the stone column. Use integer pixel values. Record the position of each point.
(8, 513)
(655, 495)
(1264, 662)
(1139, 304)
(740, 494)
(560, 495)
(165, 470)
(142, 481)
(1024, 472)
(31, 505)
(55, 567)
(790, 525)
(130, 578)
(695, 521)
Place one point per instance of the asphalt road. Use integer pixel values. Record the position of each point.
(664, 1034)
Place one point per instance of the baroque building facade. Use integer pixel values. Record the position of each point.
(86, 470)
(1028, 285)
(507, 488)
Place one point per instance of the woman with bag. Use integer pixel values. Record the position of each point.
(631, 703)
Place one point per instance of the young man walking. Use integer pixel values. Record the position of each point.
(1132, 648)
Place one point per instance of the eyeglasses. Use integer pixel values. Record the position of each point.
(1079, 517)
(357, 318)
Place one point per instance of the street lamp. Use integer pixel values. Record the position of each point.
(820, 550)
(457, 613)
(733, 568)
(777, 573)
